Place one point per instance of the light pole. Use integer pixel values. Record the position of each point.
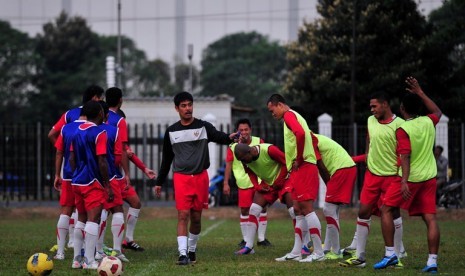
(119, 67)
(190, 53)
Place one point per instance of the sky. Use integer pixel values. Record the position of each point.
(164, 28)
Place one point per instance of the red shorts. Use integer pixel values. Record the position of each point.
(127, 191)
(341, 185)
(422, 201)
(117, 198)
(305, 182)
(245, 197)
(373, 190)
(89, 197)
(191, 191)
(67, 194)
(277, 192)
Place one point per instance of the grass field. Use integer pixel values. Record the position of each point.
(22, 235)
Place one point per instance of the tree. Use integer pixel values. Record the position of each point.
(387, 37)
(17, 61)
(181, 77)
(444, 56)
(244, 65)
(155, 79)
(70, 61)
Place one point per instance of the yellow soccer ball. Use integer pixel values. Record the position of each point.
(39, 264)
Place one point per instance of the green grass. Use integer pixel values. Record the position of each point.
(20, 238)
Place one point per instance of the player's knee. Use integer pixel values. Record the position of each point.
(255, 210)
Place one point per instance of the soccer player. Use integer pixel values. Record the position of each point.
(338, 171)
(245, 186)
(114, 99)
(381, 160)
(301, 163)
(63, 184)
(267, 162)
(415, 189)
(90, 183)
(94, 93)
(117, 183)
(186, 147)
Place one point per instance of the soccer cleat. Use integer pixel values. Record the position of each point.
(265, 242)
(332, 256)
(119, 255)
(107, 250)
(402, 254)
(241, 244)
(387, 262)
(348, 251)
(353, 262)
(399, 265)
(245, 251)
(70, 244)
(93, 265)
(433, 269)
(54, 248)
(305, 251)
(183, 260)
(289, 257)
(192, 258)
(77, 262)
(59, 256)
(99, 255)
(313, 258)
(132, 245)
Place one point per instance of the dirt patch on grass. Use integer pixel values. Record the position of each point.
(218, 212)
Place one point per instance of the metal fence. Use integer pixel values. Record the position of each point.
(27, 156)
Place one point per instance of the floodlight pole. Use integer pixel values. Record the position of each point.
(119, 68)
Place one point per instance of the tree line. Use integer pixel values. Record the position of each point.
(354, 49)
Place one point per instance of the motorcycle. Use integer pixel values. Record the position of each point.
(214, 189)
(451, 195)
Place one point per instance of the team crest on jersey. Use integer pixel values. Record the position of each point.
(196, 133)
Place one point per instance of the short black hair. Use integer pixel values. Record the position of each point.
(121, 113)
(380, 97)
(181, 97)
(113, 96)
(105, 107)
(275, 99)
(412, 104)
(90, 92)
(243, 121)
(91, 110)
(440, 148)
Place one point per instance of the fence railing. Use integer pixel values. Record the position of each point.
(27, 156)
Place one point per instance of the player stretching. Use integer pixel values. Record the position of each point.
(245, 186)
(415, 190)
(301, 163)
(185, 146)
(338, 171)
(267, 162)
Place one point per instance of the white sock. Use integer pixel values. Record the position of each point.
(363, 228)
(72, 220)
(117, 229)
(398, 235)
(62, 232)
(131, 221)
(254, 224)
(101, 233)
(331, 212)
(314, 226)
(432, 259)
(291, 212)
(354, 241)
(262, 223)
(244, 223)
(192, 242)
(91, 238)
(78, 237)
(182, 245)
(389, 251)
(299, 225)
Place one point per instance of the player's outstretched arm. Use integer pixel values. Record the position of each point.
(414, 87)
